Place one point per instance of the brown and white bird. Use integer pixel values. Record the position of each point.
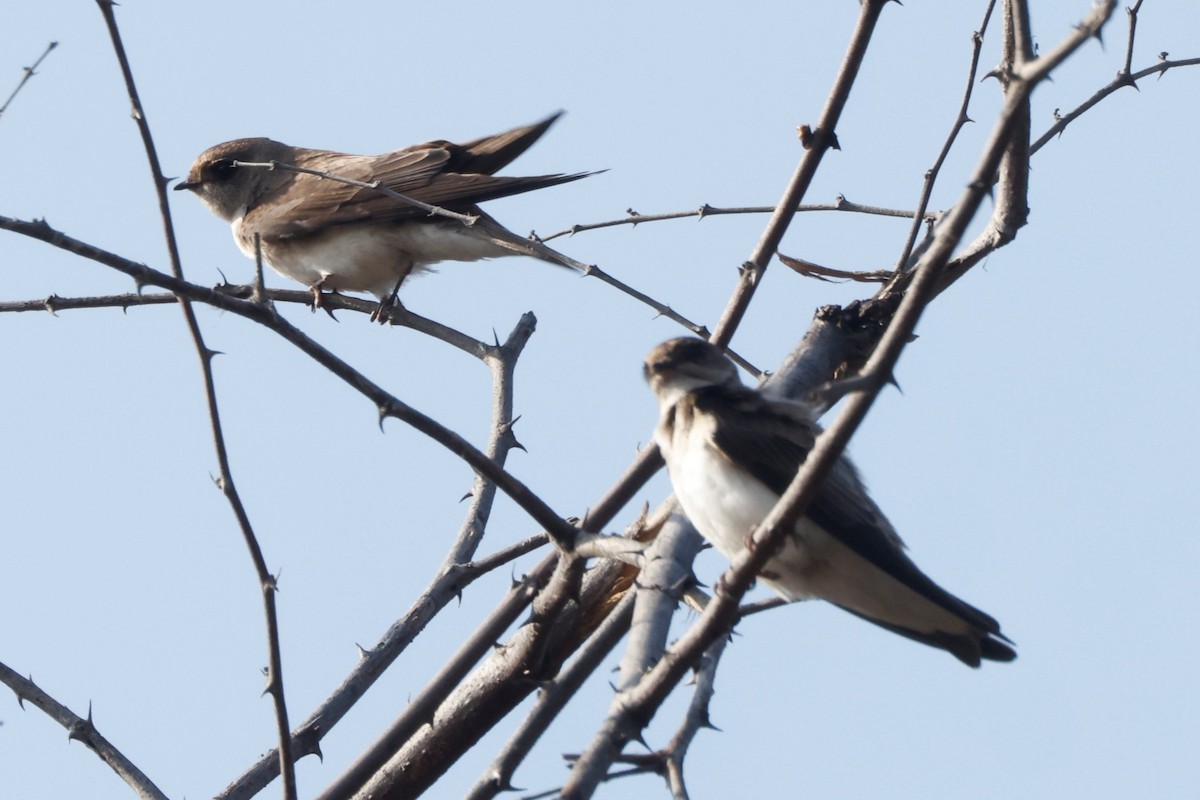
(731, 453)
(331, 235)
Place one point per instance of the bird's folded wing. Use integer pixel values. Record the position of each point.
(771, 438)
(420, 173)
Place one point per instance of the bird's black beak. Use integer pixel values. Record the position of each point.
(186, 185)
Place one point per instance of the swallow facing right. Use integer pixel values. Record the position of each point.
(731, 453)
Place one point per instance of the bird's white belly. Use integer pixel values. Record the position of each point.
(368, 258)
(726, 504)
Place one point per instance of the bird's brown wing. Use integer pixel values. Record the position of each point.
(487, 155)
(439, 173)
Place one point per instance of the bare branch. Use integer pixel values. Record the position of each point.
(29, 72)
(823, 138)
(668, 568)
(697, 717)
(551, 700)
(83, 730)
(387, 404)
(266, 581)
(705, 210)
(1061, 121)
(1129, 40)
(960, 121)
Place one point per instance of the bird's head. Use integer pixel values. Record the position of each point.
(221, 177)
(682, 365)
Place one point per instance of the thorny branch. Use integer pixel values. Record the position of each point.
(387, 404)
(81, 729)
(648, 461)
(28, 72)
(551, 700)
(960, 121)
(1123, 78)
(266, 581)
(705, 210)
(824, 138)
(455, 574)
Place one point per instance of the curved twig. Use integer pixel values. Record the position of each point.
(387, 404)
(266, 581)
(82, 729)
(705, 210)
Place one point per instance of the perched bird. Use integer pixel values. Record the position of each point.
(330, 235)
(731, 453)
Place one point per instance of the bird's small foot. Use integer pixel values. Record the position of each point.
(383, 313)
(318, 297)
(386, 308)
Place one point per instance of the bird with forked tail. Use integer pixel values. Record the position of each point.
(732, 452)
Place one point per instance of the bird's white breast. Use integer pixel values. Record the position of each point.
(726, 503)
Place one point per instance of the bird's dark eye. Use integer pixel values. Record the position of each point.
(222, 170)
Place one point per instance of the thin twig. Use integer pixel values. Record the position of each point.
(481, 566)
(697, 717)
(53, 303)
(1122, 80)
(29, 72)
(824, 137)
(1132, 13)
(960, 121)
(502, 361)
(330, 302)
(705, 210)
(266, 581)
(81, 729)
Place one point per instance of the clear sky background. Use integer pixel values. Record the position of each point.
(1039, 462)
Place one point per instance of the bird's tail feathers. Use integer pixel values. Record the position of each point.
(488, 154)
(971, 649)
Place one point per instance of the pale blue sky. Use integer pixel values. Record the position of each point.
(1039, 461)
